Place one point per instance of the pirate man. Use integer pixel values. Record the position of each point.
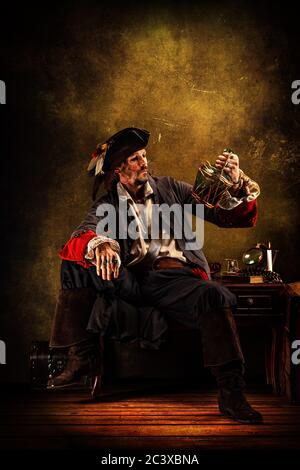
(128, 287)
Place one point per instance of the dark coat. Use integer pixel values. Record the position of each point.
(170, 191)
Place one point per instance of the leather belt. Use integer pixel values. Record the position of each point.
(146, 264)
(168, 263)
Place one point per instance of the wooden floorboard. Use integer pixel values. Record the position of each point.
(184, 420)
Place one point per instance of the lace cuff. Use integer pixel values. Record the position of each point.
(245, 190)
(99, 240)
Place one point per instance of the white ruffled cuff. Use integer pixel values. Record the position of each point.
(229, 202)
(99, 240)
(247, 191)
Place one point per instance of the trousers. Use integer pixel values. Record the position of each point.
(139, 307)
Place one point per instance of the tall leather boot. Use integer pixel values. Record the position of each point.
(84, 358)
(85, 354)
(231, 399)
(72, 312)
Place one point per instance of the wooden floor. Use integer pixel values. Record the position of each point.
(131, 419)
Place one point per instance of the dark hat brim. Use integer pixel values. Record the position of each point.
(123, 144)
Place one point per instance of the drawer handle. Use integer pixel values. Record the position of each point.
(249, 301)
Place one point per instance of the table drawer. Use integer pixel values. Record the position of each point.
(258, 300)
(254, 301)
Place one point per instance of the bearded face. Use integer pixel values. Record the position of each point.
(134, 171)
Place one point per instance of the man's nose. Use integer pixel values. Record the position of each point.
(143, 160)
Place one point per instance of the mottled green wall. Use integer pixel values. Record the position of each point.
(199, 78)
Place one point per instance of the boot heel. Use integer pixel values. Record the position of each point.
(96, 387)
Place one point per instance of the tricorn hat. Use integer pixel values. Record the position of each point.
(111, 153)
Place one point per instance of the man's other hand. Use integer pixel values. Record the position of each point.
(107, 261)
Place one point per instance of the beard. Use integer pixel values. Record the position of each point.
(141, 180)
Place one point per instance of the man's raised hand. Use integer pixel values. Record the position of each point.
(229, 162)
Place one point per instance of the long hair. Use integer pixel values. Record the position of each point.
(109, 180)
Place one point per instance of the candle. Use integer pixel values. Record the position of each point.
(269, 258)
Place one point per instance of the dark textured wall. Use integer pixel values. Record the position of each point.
(199, 77)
